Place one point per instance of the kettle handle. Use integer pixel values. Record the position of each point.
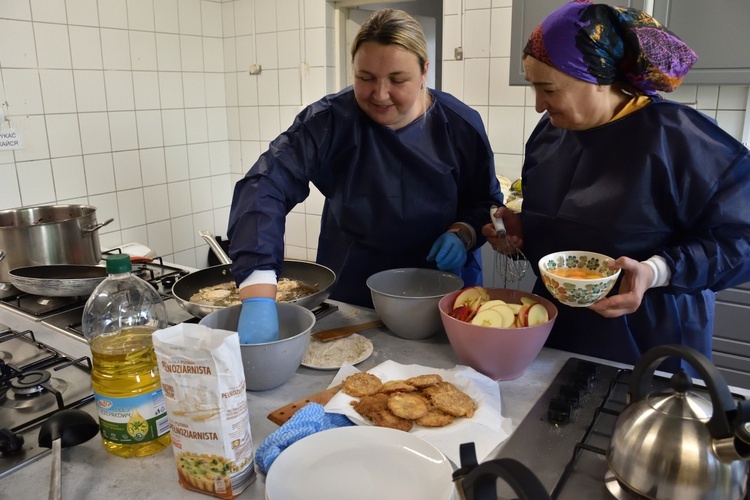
(723, 403)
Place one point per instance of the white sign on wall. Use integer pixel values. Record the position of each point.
(11, 139)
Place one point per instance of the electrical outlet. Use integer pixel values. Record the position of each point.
(458, 53)
(255, 69)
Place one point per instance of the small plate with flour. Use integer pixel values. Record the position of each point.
(331, 355)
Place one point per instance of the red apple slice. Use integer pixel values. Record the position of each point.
(488, 317)
(537, 315)
(523, 315)
(467, 296)
(483, 293)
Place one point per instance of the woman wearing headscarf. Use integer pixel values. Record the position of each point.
(614, 168)
(407, 174)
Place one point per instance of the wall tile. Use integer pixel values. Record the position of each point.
(134, 234)
(119, 87)
(500, 32)
(315, 13)
(218, 152)
(289, 88)
(160, 237)
(195, 125)
(127, 168)
(227, 19)
(189, 12)
(58, 93)
(505, 129)
(221, 221)
(213, 55)
(35, 182)
(271, 128)
(203, 221)
(229, 54)
(22, 92)
(194, 88)
(268, 88)
(165, 17)
(35, 136)
(85, 47)
(312, 231)
(191, 53)
(476, 82)
(100, 173)
(115, 49)
(179, 198)
(288, 44)
(501, 93)
(221, 190)
(265, 17)
(69, 177)
(173, 126)
(153, 166)
(89, 88)
(10, 193)
(244, 17)
(182, 233)
(314, 202)
(14, 34)
(106, 208)
(146, 90)
(198, 161)
(708, 96)
(287, 15)
(732, 97)
(245, 53)
(168, 52)
(94, 132)
(131, 208)
(156, 201)
(296, 233)
(477, 33)
(48, 11)
(123, 130)
(143, 51)
(268, 55)
(52, 47)
(149, 129)
(83, 12)
(477, 4)
(215, 90)
(176, 161)
(731, 121)
(315, 48)
(451, 39)
(113, 14)
(217, 124)
(62, 133)
(141, 15)
(170, 90)
(211, 18)
(201, 195)
(508, 165)
(247, 89)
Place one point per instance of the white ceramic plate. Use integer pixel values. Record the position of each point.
(335, 345)
(359, 462)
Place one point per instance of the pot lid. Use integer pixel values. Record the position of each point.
(683, 405)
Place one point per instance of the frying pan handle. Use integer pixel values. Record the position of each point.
(220, 253)
(96, 227)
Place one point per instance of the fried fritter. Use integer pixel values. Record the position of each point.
(424, 380)
(406, 405)
(453, 401)
(369, 405)
(435, 418)
(397, 386)
(385, 418)
(361, 384)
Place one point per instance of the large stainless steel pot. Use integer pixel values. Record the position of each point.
(676, 444)
(52, 234)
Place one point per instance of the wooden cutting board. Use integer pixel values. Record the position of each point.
(281, 415)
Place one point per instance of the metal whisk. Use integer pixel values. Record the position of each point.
(510, 262)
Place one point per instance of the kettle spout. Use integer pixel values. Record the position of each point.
(730, 449)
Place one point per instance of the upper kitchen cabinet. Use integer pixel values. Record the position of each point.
(717, 31)
(527, 14)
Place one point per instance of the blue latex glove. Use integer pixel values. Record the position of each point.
(449, 252)
(259, 321)
(309, 419)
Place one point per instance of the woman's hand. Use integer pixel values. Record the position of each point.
(513, 229)
(636, 279)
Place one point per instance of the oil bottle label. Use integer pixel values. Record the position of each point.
(132, 420)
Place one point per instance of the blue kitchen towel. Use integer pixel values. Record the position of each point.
(309, 419)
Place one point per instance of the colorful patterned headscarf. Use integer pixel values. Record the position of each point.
(601, 44)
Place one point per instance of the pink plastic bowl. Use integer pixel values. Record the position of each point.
(499, 353)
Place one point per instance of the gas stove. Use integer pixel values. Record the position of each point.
(565, 436)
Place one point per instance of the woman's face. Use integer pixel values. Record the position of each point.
(571, 103)
(388, 84)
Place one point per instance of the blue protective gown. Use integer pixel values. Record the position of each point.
(389, 194)
(664, 180)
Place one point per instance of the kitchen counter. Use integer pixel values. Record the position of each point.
(88, 471)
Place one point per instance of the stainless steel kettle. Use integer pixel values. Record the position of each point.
(675, 443)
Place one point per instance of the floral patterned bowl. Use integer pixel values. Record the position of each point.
(578, 291)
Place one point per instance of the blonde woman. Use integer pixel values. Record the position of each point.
(407, 173)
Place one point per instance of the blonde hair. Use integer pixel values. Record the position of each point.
(393, 27)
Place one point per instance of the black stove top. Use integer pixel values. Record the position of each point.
(565, 436)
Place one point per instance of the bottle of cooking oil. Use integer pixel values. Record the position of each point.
(118, 320)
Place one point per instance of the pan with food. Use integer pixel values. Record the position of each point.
(202, 292)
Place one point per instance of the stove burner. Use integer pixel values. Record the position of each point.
(30, 382)
(619, 490)
(35, 398)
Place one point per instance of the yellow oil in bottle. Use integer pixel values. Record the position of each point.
(126, 383)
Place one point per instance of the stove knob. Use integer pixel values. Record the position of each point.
(10, 443)
(558, 410)
(168, 281)
(571, 394)
(586, 369)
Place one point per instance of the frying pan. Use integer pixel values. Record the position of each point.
(309, 273)
(64, 280)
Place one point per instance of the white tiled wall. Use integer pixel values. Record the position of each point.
(145, 108)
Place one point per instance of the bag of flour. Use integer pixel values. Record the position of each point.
(204, 391)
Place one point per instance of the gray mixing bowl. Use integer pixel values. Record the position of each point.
(407, 299)
(271, 364)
